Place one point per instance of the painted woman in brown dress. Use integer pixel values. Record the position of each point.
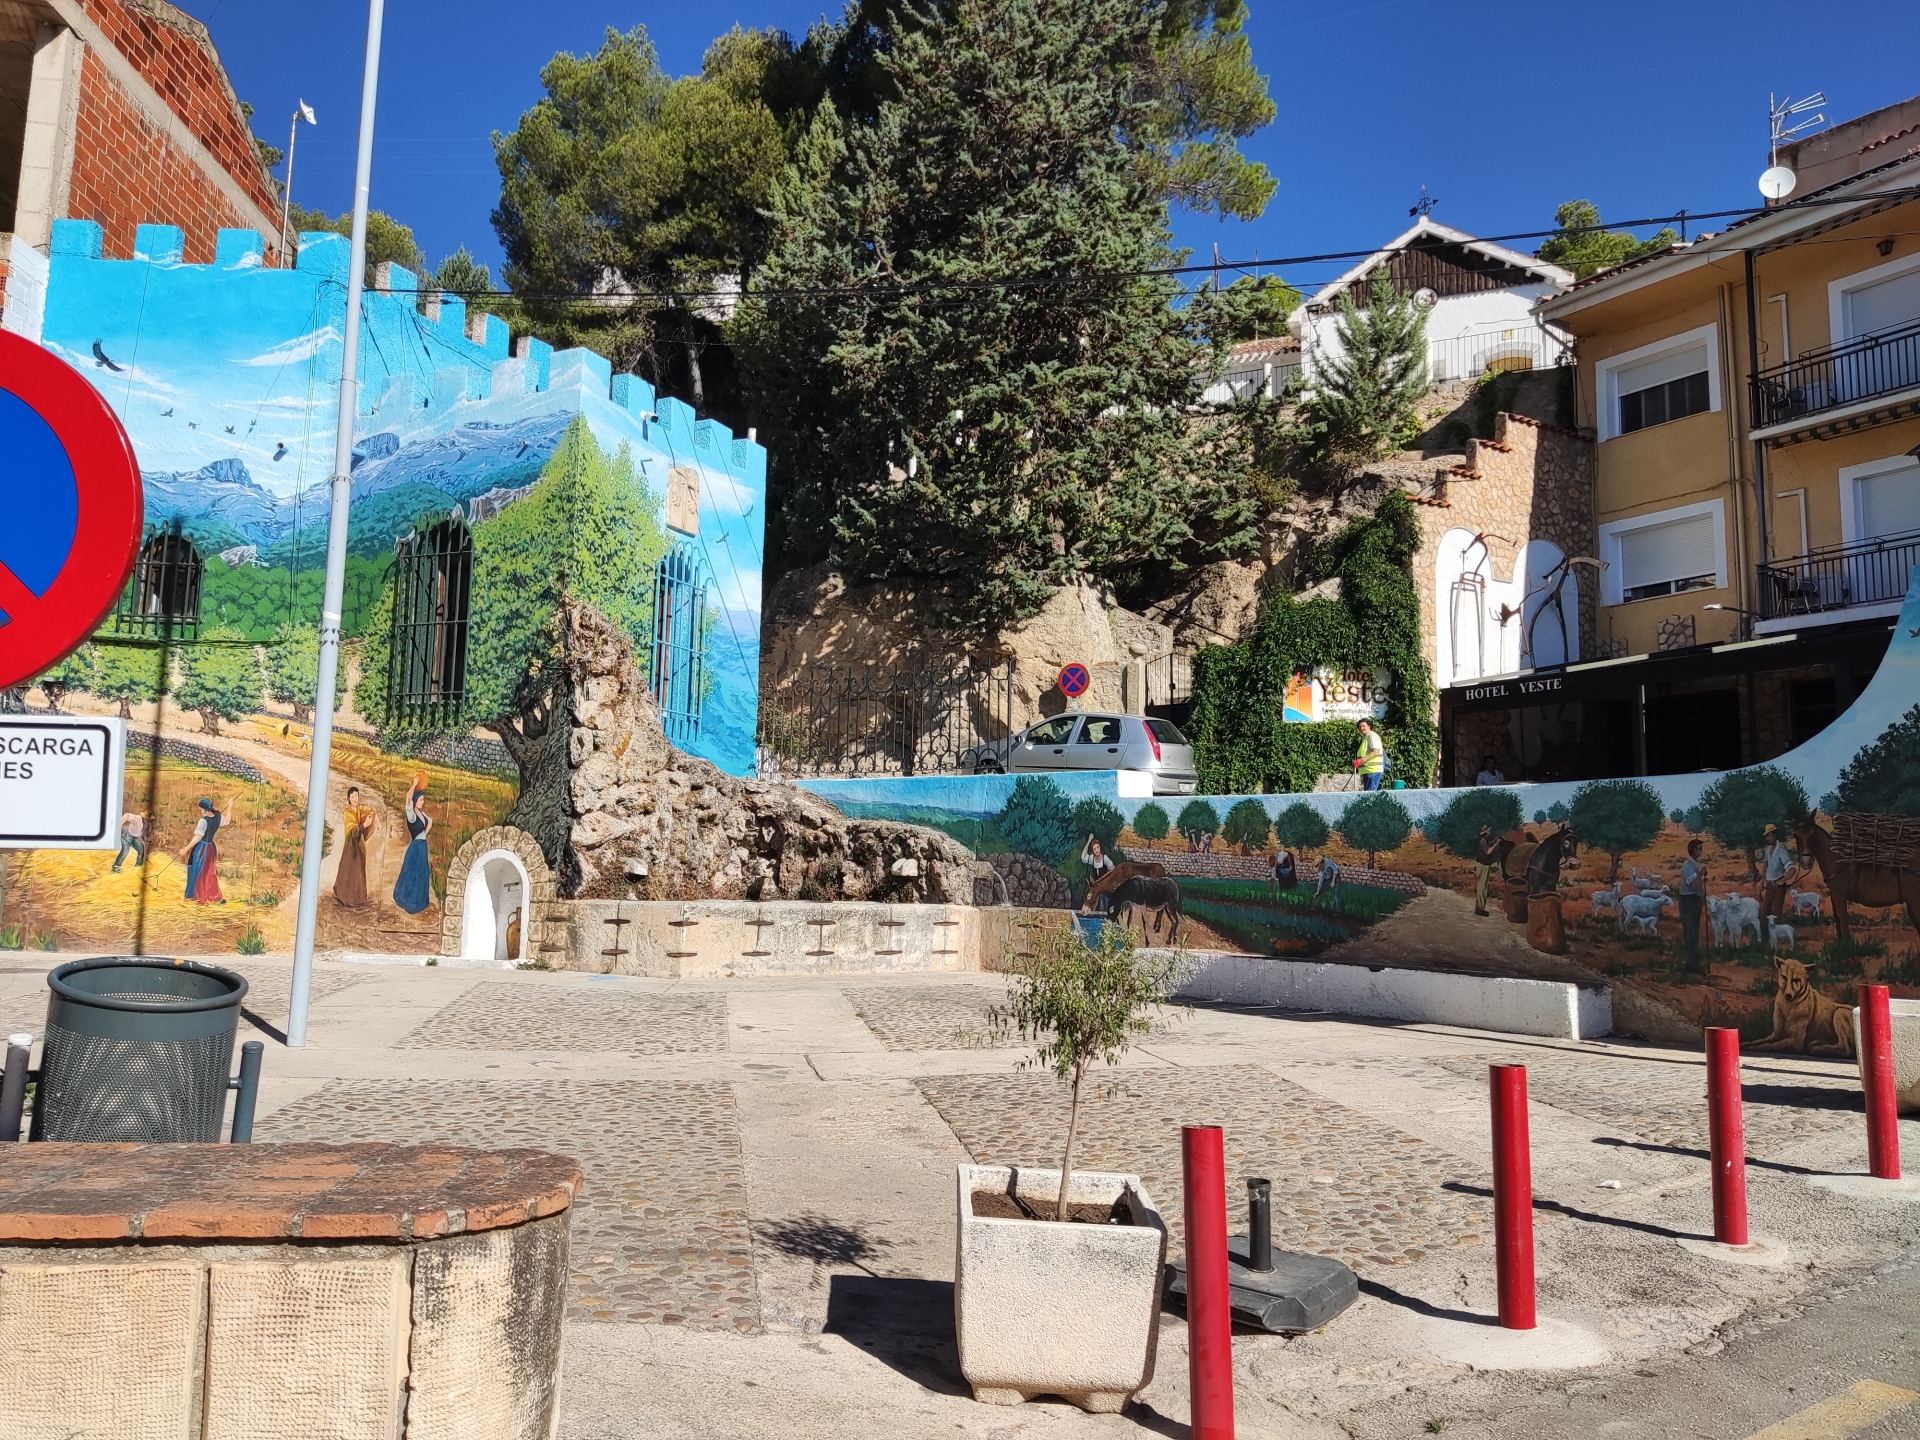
(350, 881)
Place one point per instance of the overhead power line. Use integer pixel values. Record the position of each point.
(1043, 279)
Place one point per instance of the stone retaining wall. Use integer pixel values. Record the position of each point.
(196, 755)
(218, 1291)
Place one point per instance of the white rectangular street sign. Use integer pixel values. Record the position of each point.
(61, 779)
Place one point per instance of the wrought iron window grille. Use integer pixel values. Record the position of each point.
(162, 599)
(432, 597)
(677, 672)
(865, 720)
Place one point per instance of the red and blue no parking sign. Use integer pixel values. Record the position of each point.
(1073, 680)
(70, 492)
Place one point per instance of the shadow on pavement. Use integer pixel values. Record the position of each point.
(905, 1324)
(1423, 1307)
(1643, 1226)
(1752, 1164)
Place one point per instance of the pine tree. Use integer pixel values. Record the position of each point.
(1365, 395)
(996, 439)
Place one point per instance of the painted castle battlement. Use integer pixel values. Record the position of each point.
(415, 359)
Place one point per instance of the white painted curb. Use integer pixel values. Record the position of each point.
(1554, 1008)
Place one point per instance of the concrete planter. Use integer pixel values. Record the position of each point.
(1906, 1052)
(1049, 1309)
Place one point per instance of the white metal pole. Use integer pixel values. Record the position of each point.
(336, 550)
(286, 195)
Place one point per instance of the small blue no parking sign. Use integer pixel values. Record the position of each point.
(1073, 680)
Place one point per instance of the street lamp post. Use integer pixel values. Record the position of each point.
(302, 111)
(335, 586)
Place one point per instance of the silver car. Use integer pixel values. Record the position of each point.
(1094, 742)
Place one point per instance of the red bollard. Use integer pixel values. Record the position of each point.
(1876, 1077)
(1209, 1306)
(1512, 1196)
(1727, 1137)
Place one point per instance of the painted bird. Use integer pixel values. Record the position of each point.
(100, 358)
(166, 412)
(229, 429)
(193, 424)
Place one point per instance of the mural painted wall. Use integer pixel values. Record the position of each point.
(1840, 895)
(552, 469)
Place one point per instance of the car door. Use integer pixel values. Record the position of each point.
(1045, 745)
(1097, 744)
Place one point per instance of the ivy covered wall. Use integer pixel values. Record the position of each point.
(1239, 690)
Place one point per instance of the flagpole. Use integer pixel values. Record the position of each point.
(330, 602)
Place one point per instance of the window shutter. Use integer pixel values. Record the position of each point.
(1676, 550)
(1889, 504)
(1886, 306)
(1660, 369)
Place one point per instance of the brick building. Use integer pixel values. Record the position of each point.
(119, 112)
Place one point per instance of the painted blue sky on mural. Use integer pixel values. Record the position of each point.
(227, 377)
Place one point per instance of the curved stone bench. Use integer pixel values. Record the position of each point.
(251, 1292)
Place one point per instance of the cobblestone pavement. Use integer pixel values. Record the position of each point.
(498, 1016)
(1666, 1103)
(1343, 1184)
(931, 1017)
(660, 1231)
(270, 988)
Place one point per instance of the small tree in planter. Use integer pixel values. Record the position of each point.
(1082, 1002)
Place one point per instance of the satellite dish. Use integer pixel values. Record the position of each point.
(1425, 298)
(1777, 182)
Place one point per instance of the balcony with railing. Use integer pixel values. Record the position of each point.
(1826, 584)
(1820, 381)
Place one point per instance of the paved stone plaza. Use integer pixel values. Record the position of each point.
(764, 1245)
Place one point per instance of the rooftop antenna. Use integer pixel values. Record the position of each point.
(1423, 207)
(1783, 126)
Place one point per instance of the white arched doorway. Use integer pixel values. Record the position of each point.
(494, 910)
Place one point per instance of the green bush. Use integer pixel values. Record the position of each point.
(1456, 829)
(1375, 822)
(252, 942)
(1150, 822)
(1300, 827)
(1247, 825)
(1242, 743)
(1038, 820)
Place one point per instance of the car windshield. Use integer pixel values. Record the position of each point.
(1167, 733)
(1100, 730)
(1051, 732)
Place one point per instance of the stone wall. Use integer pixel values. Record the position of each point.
(737, 939)
(1532, 481)
(620, 814)
(217, 1290)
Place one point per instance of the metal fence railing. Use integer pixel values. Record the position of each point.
(1507, 347)
(1866, 572)
(677, 671)
(865, 720)
(432, 591)
(1839, 375)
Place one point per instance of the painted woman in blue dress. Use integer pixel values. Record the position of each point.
(413, 892)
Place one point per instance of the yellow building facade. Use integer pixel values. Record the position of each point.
(1754, 402)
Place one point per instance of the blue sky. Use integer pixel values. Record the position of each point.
(1502, 111)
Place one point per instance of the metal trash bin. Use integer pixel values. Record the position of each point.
(137, 1049)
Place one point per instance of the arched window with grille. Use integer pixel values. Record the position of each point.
(679, 642)
(432, 590)
(163, 597)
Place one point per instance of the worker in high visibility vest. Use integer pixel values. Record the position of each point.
(1370, 760)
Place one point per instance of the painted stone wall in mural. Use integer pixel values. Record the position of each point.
(483, 482)
(1810, 862)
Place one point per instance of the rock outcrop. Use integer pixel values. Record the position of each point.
(618, 811)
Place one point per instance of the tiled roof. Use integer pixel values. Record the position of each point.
(1253, 351)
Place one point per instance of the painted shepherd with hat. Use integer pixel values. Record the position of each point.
(1778, 874)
